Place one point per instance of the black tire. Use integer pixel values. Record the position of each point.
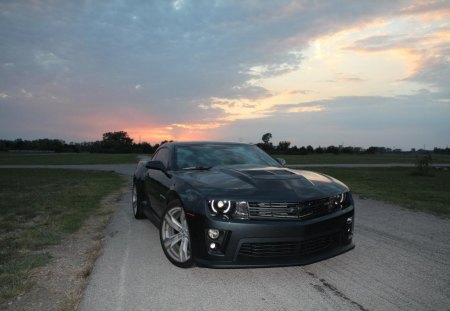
(174, 228)
(136, 203)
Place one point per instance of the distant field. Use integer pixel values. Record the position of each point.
(37, 208)
(102, 158)
(65, 158)
(400, 186)
(357, 158)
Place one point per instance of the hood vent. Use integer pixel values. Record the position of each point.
(268, 172)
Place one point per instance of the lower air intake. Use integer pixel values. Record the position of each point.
(291, 249)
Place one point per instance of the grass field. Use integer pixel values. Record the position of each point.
(399, 185)
(357, 158)
(102, 158)
(7, 158)
(37, 208)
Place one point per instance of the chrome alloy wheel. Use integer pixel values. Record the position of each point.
(175, 235)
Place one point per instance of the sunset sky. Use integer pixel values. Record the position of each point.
(358, 73)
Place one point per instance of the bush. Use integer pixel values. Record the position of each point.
(423, 165)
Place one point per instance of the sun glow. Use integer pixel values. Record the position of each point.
(176, 132)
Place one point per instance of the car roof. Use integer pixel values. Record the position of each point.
(184, 143)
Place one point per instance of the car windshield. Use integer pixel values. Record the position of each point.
(207, 155)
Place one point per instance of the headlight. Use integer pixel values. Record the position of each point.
(220, 206)
(228, 208)
(341, 201)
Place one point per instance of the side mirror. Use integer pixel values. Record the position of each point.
(155, 165)
(281, 161)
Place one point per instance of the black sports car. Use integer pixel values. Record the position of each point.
(232, 205)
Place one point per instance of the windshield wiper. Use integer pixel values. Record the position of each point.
(196, 168)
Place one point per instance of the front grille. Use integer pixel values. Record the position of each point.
(291, 249)
(273, 210)
(291, 210)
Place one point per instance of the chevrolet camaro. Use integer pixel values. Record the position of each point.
(232, 205)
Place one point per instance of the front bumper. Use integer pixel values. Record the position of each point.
(264, 243)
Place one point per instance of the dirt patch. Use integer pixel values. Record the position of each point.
(60, 284)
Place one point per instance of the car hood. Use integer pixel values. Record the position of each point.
(264, 183)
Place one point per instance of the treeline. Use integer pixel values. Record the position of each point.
(112, 142)
(120, 142)
(284, 147)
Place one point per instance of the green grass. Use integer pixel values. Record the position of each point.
(10, 158)
(38, 207)
(102, 158)
(358, 158)
(399, 185)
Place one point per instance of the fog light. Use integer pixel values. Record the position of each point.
(212, 245)
(213, 233)
(349, 220)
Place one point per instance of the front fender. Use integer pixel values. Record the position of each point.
(193, 200)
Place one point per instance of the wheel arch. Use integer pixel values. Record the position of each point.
(138, 183)
(173, 195)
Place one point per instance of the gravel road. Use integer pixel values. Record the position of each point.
(401, 262)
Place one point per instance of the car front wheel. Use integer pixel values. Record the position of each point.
(136, 204)
(174, 235)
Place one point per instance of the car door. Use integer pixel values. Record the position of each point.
(157, 183)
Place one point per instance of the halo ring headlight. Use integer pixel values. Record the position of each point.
(228, 208)
(220, 206)
(212, 207)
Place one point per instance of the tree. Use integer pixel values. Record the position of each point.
(347, 150)
(120, 138)
(332, 149)
(266, 138)
(116, 142)
(319, 150)
(283, 145)
(372, 150)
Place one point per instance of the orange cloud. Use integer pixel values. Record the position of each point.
(427, 10)
(315, 108)
(198, 126)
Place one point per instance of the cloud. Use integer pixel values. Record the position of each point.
(200, 50)
(304, 92)
(404, 122)
(26, 94)
(49, 60)
(428, 53)
(151, 65)
(315, 108)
